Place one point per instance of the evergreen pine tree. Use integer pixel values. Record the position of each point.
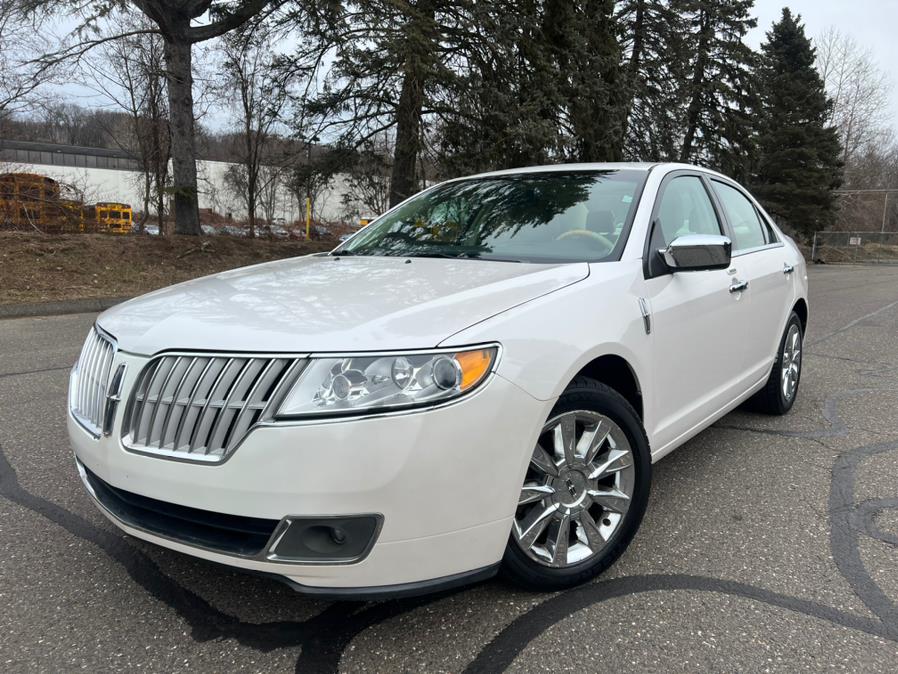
(799, 163)
(654, 64)
(717, 93)
(546, 87)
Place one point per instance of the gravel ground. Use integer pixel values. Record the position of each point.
(770, 544)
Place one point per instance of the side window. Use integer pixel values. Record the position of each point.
(684, 208)
(748, 231)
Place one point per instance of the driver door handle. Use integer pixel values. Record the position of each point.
(738, 286)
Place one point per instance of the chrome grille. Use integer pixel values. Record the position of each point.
(199, 407)
(90, 381)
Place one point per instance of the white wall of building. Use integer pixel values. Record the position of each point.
(214, 192)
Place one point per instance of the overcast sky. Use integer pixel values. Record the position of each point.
(872, 23)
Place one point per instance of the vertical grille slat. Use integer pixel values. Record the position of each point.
(225, 415)
(179, 439)
(85, 372)
(171, 419)
(161, 404)
(199, 407)
(90, 381)
(206, 417)
(102, 376)
(149, 400)
(247, 415)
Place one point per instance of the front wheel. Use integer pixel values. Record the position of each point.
(584, 493)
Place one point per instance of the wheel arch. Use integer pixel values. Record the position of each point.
(801, 308)
(616, 372)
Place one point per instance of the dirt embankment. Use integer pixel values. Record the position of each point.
(38, 268)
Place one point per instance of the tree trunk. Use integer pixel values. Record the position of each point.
(633, 66)
(147, 196)
(183, 144)
(693, 113)
(420, 44)
(408, 134)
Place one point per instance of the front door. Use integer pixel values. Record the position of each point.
(697, 322)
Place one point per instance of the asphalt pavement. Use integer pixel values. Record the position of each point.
(770, 544)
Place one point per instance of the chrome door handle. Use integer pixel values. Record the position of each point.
(788, 268)
(738, 286)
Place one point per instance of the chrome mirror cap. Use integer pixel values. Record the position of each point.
(694, 252)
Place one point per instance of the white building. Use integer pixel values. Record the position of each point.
(110, 175)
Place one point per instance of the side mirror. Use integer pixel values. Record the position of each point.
(696, 252)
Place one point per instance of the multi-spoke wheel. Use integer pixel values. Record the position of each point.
(791, 361)
(584, 492)
(577, 489)
(781, 389)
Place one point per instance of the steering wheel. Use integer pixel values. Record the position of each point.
(589, 234)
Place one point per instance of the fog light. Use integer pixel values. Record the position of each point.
(325, 539)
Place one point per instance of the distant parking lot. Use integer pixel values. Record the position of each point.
(769, 544)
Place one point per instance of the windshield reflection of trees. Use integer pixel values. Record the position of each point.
(460, 217)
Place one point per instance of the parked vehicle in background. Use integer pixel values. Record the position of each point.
(480, 379)
(108, 217)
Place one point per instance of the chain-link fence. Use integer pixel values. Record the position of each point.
(855, 247)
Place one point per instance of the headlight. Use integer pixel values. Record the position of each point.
(357, 384)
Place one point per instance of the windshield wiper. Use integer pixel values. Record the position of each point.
(343, 253)
(461, 255)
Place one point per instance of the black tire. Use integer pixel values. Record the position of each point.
(587, 394)
(771, 399)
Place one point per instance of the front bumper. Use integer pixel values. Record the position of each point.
(445, 482)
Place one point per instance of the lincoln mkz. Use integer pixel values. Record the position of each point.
(478, 381)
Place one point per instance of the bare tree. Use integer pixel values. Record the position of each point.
(181, 24)
(312, 175)
(368, 181)
(859, 90)
(19, 79)
(270, 181)
(130, 73)
(250, 72)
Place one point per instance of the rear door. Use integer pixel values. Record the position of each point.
(695, 318)
(764, 262)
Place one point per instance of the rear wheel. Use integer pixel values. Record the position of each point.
(781, 389)
(584, 493)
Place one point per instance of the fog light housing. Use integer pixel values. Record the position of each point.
(325, 540)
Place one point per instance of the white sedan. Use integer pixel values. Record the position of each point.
(479, 381)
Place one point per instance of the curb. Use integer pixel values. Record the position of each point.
(60, 307)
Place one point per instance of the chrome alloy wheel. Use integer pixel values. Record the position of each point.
(791, 362)
(577, 489)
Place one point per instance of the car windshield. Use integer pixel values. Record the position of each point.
(534, 217)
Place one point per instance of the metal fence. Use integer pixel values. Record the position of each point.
(855, 247)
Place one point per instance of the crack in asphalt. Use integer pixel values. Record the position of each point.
(4, 375)
(850, 324)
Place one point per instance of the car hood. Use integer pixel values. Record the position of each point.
(325, 303)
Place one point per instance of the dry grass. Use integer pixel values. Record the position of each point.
(37, 268)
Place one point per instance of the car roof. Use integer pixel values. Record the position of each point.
(592, 166)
